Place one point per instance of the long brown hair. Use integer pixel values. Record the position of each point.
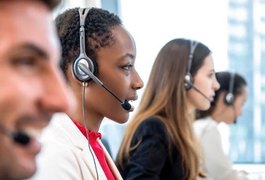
(165, 97)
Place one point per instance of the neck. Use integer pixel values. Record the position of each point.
(91, 122)
(218, 115)
(191, 108)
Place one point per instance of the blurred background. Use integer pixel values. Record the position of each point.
(235, 32)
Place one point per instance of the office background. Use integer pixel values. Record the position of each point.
(235, 32)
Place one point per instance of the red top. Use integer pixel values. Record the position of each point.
(93, 136)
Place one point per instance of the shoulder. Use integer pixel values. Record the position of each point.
(56, 151)
(153, 123)
(152, 126)
(202, 126)
(56, 161)
(62, 141)
(207, 131)
(62, 130)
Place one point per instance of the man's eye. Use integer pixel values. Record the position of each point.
(127, 67)
(27, 64)
(24, 61)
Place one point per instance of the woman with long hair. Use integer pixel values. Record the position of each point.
(159, 142)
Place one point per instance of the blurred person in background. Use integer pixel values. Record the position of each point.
(226, 107)
(159, 142)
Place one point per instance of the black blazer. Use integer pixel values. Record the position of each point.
(151, 159)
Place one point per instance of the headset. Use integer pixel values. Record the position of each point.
(229, 97)
(83, 58)
(83, 76)
(84, 67)
(188, 79)
(18, 137)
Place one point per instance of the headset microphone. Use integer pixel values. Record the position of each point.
(18, 137)
(83, 67)
(235, 117)
(235, 121)
(199, 91)
(21, 138)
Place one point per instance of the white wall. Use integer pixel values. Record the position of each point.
(154, 22)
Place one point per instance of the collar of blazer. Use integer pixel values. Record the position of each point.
(72, 137)
(65, 132)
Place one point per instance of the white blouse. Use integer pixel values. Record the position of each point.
(215, 163)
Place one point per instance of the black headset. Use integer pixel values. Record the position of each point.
(188, 80)
(18, 137)
(83, 58)
(229, 97)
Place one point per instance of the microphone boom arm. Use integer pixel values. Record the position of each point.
(90, 74)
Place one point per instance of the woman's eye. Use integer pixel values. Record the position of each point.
(211, 75)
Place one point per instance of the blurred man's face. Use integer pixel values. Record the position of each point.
(31, 85)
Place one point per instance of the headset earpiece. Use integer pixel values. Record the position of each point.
(83, 58)
(229, 97)
(79, 74)
(188, 80)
